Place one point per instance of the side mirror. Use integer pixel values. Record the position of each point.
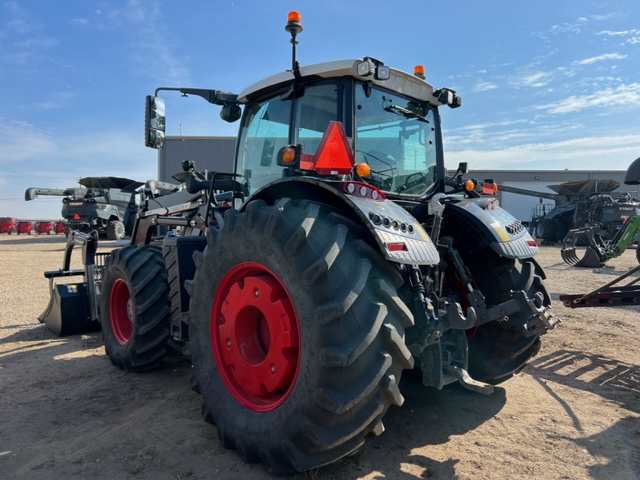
(462, 168)
(230, 112)
(154, 122)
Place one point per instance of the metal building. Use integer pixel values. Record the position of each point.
(210, 153)
(217, 154)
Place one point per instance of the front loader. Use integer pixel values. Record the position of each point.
(338, 254)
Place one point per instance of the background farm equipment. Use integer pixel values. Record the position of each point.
(44, 227)
(105, 204)
(598, 249)
(24, 227)
(612, 293)
(585, 203)
(59, 227)
(338, 254)
(7, 225)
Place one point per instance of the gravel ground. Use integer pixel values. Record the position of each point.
(66, 412)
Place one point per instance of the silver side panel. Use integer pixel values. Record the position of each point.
(418, 248)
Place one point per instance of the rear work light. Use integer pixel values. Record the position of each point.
(363, 190)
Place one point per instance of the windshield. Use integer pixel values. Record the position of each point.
(396, 137)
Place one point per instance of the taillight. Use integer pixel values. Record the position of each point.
(396, 246)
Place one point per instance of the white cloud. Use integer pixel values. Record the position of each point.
(621, 33)
(506, 133)
(53, 101)
(609, 153)
(623, 95)
(37, 42)
(483, 86)
(632, 35)
(23, 141)
(599, 58)
(536, 80)
(153, 54)
(567, 28)
(152, 51)
(18, 21)
(34, 157)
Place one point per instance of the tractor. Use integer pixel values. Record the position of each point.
(337, 255)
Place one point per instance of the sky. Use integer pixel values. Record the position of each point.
(545, 85)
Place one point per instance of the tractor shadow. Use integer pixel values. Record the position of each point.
(625, 435)
(428, 417)
(609, 378)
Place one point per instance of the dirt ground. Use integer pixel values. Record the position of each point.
(66, 412)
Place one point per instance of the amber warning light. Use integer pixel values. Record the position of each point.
(293, 16)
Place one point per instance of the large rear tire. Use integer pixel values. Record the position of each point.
(135, 308)
(297, 335)
(499, 349)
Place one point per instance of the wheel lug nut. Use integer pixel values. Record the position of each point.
(273, 368)
(256, 293)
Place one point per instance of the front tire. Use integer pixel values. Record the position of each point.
(115, 230)
(296, 331)
(499, 349)
(135, 308)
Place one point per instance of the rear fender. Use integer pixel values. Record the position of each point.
(397, 234)
(482, 220)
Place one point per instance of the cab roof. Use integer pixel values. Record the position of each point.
(401, 82)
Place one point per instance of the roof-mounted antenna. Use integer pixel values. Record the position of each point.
(294, 27)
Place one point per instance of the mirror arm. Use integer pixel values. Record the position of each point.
(216, 97)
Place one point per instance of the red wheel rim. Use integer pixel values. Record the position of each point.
(120, 311)
(255, 337)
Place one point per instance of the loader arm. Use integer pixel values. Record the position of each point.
(623, 238)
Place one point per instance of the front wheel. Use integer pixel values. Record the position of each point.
(115, 230)
(297, 335)
(499, 349)
(135, 308)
